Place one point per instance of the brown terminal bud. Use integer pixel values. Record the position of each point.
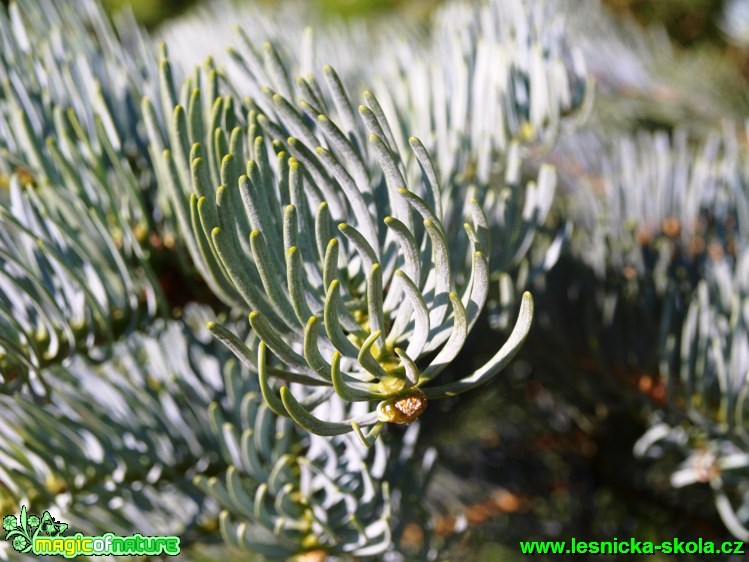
(403, 409)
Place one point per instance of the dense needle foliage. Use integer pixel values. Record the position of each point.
(298, 287)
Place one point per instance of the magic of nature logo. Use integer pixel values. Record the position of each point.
(43, 536)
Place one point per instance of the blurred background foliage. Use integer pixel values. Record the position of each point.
(152, 12)
(548, 454)
(549, 457)
(690, 23)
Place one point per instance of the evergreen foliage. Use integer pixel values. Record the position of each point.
(381, 225)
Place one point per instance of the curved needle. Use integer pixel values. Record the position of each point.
(268, 395)
(506, 353)
(412, 371)
(350, 393)
(332, 322)
(369, 439)
(308, 421)
(454, 344)
(367, 360)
